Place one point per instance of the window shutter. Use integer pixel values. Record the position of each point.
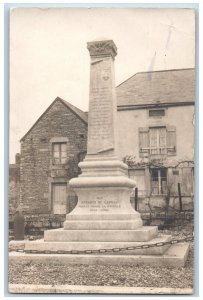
(187, 181)
(144, 141)
(171, 140)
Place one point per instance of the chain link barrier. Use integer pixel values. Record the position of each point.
(110, 250)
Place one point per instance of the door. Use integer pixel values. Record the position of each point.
(139, 177)
(59, 198)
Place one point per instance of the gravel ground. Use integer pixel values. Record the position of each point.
(132, 276)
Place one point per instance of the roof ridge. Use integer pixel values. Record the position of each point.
(166, 70)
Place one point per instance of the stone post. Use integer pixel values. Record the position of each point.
(19, 225)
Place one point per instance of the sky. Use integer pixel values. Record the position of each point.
(49, 56)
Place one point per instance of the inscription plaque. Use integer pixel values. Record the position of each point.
(100, 204)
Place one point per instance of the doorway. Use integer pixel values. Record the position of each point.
(59, 198)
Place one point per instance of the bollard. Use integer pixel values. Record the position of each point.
(19, 225)
(136, 198)
(180, 197)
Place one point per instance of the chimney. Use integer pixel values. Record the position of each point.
(17, 158)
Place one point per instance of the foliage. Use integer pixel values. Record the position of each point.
(133, 162)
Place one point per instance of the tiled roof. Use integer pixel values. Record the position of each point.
(168, 86)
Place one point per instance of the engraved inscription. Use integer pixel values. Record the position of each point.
(101, 119)
(99, 204)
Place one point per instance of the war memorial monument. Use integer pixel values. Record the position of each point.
(104, 228)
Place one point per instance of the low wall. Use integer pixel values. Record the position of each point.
(38, 223)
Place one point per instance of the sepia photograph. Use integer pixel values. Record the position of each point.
(101, 150)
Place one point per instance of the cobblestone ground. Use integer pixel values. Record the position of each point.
(121, 275)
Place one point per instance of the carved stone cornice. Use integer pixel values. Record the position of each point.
(102, 48)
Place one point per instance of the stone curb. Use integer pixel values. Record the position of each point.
(175, 256)
(81, 289)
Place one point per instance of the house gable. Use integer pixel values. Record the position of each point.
(76, 111)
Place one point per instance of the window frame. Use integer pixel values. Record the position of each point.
(158, 147)
(60, 158)
(58, 140)
(160, 180)
(157, 110)
(145, 149)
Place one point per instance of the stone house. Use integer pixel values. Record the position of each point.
(155, 127)
(50, 153)
(156, 135)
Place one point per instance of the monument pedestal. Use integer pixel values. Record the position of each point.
(102, 191)
(103, 212)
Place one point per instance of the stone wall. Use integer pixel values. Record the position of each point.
(37, 171)
(36, 224)
(172, 220)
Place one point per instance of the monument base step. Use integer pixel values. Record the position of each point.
(41, 245)
(102, 224)
(141, 234)
(101, 217)
(175, 256)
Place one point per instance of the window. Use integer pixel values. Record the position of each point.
(59, 154)
(159, 181)
(157, 141)
(156, 113)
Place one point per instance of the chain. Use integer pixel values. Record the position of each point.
(100, 251)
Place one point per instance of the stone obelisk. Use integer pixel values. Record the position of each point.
(103, 188)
